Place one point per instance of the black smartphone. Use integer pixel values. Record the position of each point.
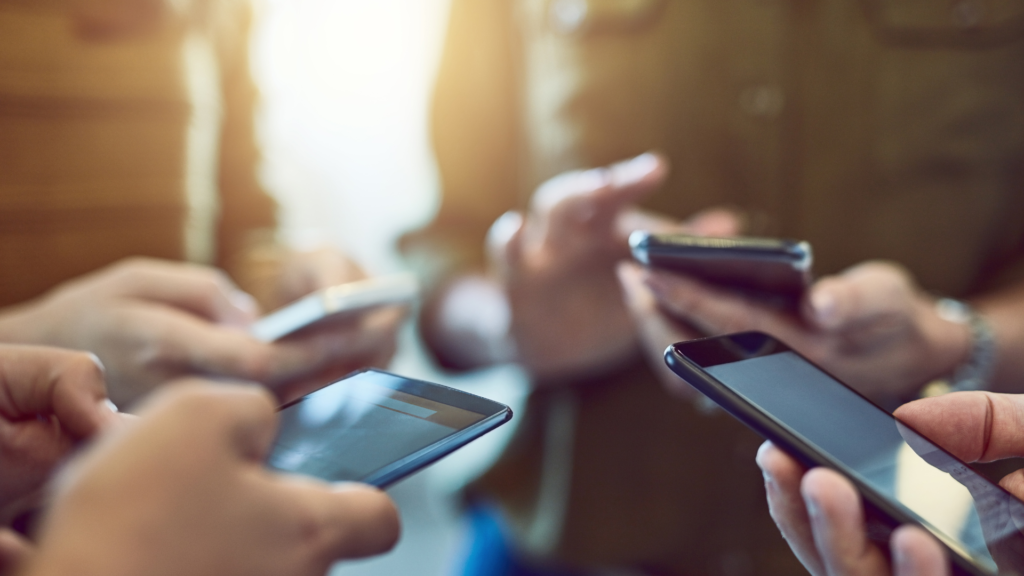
(376, 427)
(766, 268)
(904, 477)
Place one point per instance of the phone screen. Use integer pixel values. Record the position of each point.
(963, 509)
(352, 429)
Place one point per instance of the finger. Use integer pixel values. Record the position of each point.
(592, 199)
(327, 266)
(917, 553)
(173, 342)
(632, 219)
(718, 222)
(860, 294)
(504, 243)
(782, 477)
(837, 522)
(206, 292)
(973, 426)
(656, 331)
(718, 311)
(324, 351)
(242, 417)
(14, 551)
(353, 520)
(49, 381)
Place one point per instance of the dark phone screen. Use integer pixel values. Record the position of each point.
(355, 427)
(963, 509)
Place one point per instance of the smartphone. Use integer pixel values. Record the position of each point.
(334, 302)
(377, 427)
(903, 476)
(766, 268)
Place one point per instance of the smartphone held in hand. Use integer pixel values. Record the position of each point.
(768, 268)
(336, 302)
(376, 427)
(903, 476)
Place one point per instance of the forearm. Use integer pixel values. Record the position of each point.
(1004, 310)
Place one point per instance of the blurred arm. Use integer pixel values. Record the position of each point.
(475, 131)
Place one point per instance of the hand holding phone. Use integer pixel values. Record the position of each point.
(839, 536)
(336, 302)
(871, 325)
(904, 477)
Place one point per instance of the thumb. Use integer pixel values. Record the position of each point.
(504, 243)
(973, 426)
(864, 292)
(36, 380)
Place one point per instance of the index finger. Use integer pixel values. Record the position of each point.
(594, 198)
(66, 384)
(782, 477)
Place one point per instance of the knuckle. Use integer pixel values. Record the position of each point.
(87, 364)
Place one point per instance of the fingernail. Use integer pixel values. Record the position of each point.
(99, 363)
(633, 170)
(108, 410)
(900, 561)
(813, 508)
(825, 308)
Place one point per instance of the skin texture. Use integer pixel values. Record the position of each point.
(819, 512)
(183, 490)
(50, 400)
(551, 267)
(871, 325)
(150, 321)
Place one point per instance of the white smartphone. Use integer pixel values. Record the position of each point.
(330, 303)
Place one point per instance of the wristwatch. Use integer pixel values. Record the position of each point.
(976, 371)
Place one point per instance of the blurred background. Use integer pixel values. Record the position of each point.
(344, 126)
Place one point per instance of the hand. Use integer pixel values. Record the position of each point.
(150, 321)
(556, 265)
(278, 276)
(184, 490)
(973, 426)
(820, 515)
(50, 400)
(348, 343)
(871, 325)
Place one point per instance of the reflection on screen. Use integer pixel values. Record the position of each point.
(351, 429)
(955, 503)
